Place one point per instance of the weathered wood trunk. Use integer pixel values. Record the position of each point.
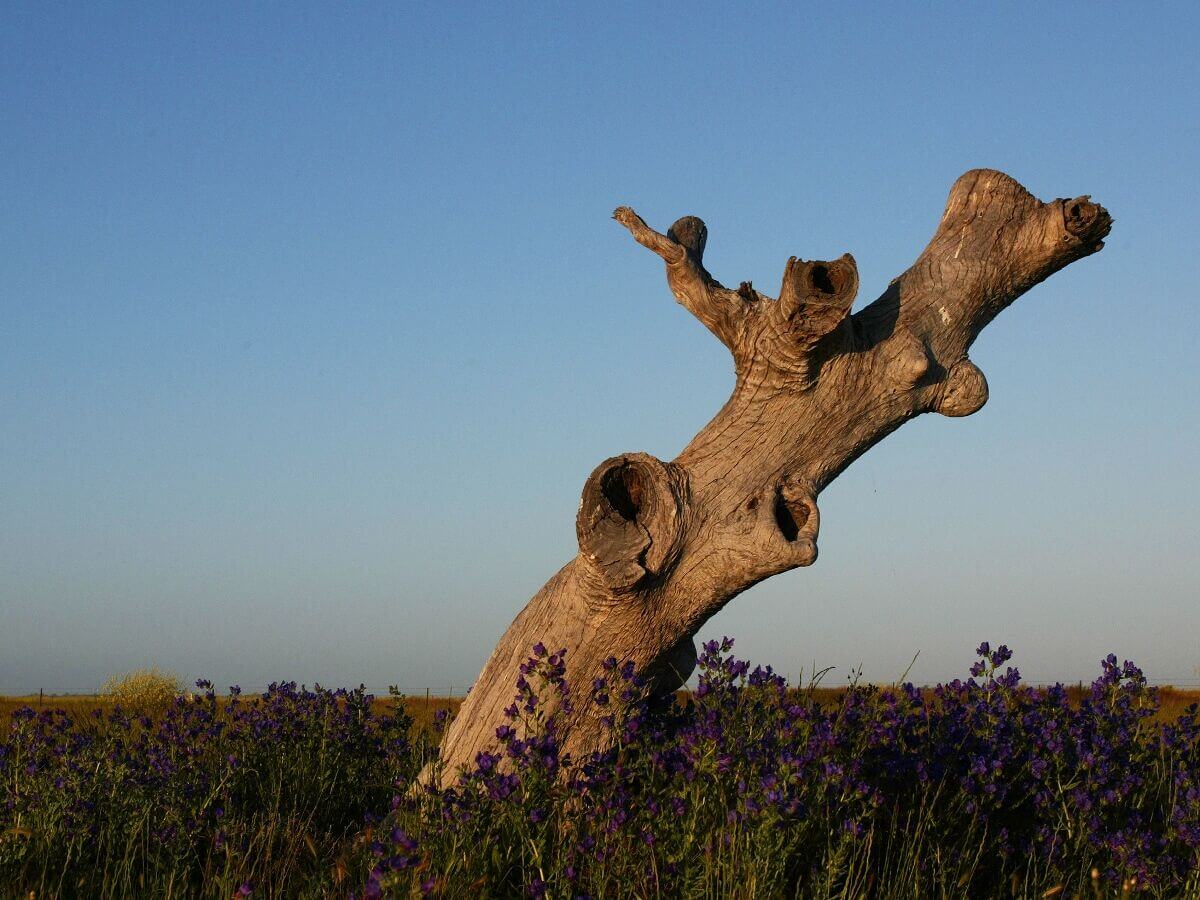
(664, 545)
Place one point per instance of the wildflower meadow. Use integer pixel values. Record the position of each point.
(744, 787)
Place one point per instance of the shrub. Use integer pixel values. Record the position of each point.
(143, 690)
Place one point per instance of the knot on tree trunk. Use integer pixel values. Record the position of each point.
(630, 519)
(964, 391)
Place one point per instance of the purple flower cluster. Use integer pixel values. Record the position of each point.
(196, 795)
(746, 786)
(979, 787)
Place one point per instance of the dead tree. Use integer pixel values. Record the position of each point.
(665, 545)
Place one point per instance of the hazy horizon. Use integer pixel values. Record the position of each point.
(313, 324)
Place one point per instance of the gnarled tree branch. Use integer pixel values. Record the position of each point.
(682, 249)
(663, 546)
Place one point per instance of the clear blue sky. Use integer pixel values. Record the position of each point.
(313, 322)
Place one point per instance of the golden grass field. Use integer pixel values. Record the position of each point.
(423, 709)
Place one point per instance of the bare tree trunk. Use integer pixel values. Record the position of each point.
(665, 545)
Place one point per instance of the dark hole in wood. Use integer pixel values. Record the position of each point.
(822, 279)
(752, 504)
(786, 517)
(622, 488)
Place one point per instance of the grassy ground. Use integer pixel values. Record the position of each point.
(423, 709)
(750, 789)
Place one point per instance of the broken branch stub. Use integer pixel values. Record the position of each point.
(628, 523)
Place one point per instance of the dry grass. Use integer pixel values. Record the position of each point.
(423, 709)
(1172, 700)
(80, 706)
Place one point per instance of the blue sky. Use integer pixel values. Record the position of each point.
(313, 322)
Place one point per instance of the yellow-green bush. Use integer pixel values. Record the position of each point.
(143, 689)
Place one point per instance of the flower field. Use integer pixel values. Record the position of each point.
(746, 787)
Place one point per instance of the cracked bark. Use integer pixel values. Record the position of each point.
(665, 545)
